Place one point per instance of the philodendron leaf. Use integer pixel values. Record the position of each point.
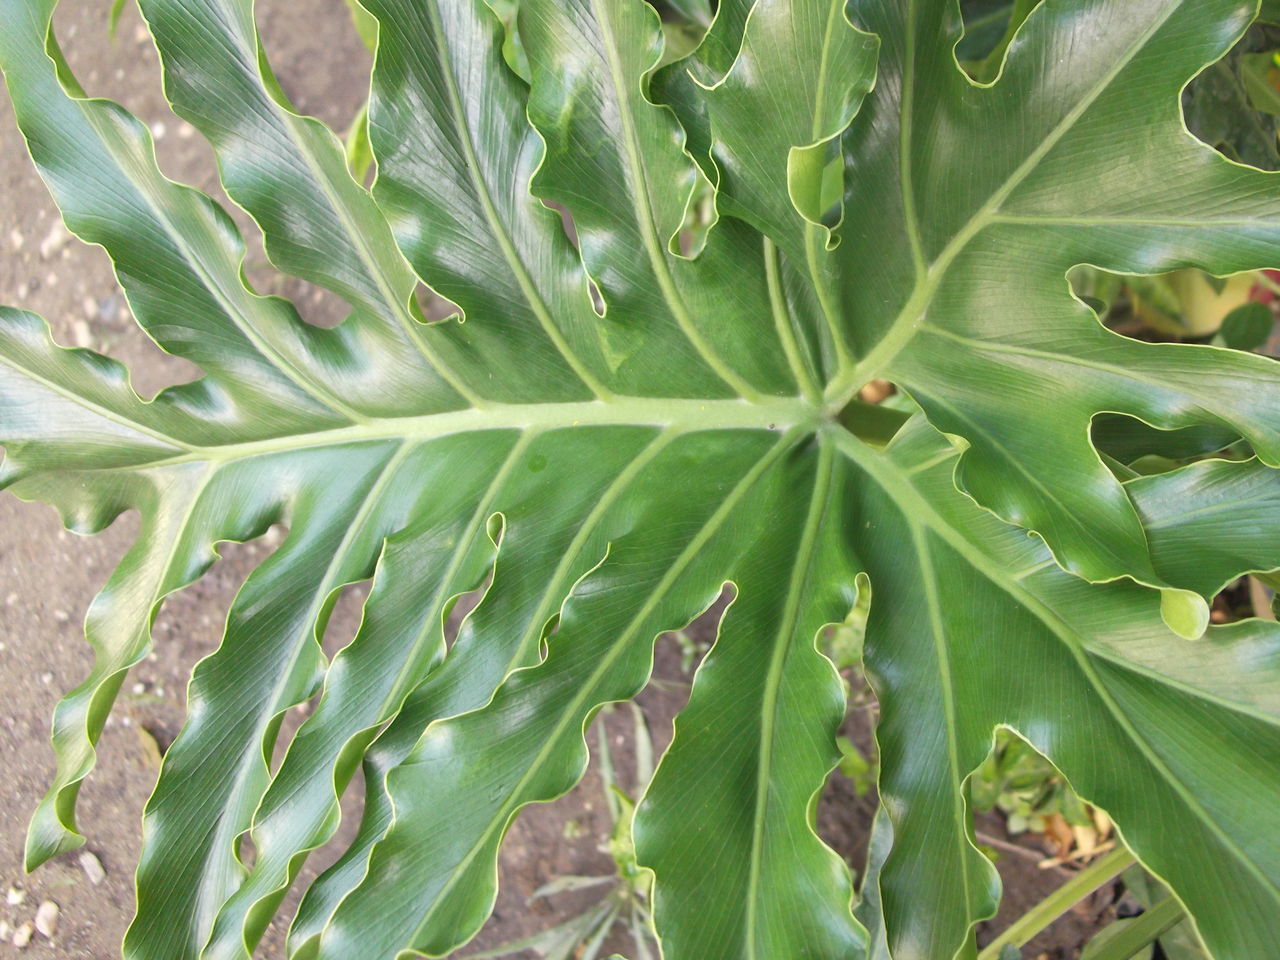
(621, 427)
(1067, 159)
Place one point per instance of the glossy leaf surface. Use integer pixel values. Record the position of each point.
(628, 420)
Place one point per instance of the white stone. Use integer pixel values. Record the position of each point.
(81, 334)
(55, 241)
(92, 867)
(22, 936)
(47, 918)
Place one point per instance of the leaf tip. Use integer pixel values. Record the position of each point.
(1185, 613)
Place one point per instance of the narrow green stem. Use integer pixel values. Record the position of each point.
(786, 333)
(1140, 931)
(1060, 901)
(822, 290)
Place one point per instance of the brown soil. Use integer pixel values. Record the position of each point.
(48, 576)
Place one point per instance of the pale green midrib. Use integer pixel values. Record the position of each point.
(370, 501)
(903, 328)
(554, 588)
(1087, 529)
(584, 532)
(182, 517)
(822, 290)
(105, 412)
(786, 332)
(906, 132)
(230, 297)
(695, 545)
(1025, 571)
(946, 679)
(813, 233)
(373, 267)
(773, 681)
(834, 8)
(898, 488)
(1013, 349)
(1199, 693)
(643, 213)
(684, 415)
(390, 705)
(474, 526)
(1053, 220)
(498, 229)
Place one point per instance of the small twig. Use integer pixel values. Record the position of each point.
(1016, 848)
(1079, 855)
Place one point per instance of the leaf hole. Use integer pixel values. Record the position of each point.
(1132, 447)
(246, 850)
(434, 307)
(461, 606)
(302, 59)
(344, 617)
(877, 413)
(1244, 598)
(1231, 105)
(848, 801)
(989, 27)
(1185, 306)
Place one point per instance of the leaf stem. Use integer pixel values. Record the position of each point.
(786, 332)
(823, 292)
(1060, 901)
(1142, 930)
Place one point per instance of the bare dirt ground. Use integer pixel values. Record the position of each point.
(48, 576)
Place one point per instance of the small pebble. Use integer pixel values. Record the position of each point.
(92, 867)
(46, 678)
(15, 896)
(55, 241)
(81, 334)
(89, 306)
(47, 918)
(61, 616)
(185, 130)
(16, 239)
(10, 600)
(140, 35)
(6, 931)
(158, 130)
(22, 936)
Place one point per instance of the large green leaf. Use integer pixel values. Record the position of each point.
(627, 420)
